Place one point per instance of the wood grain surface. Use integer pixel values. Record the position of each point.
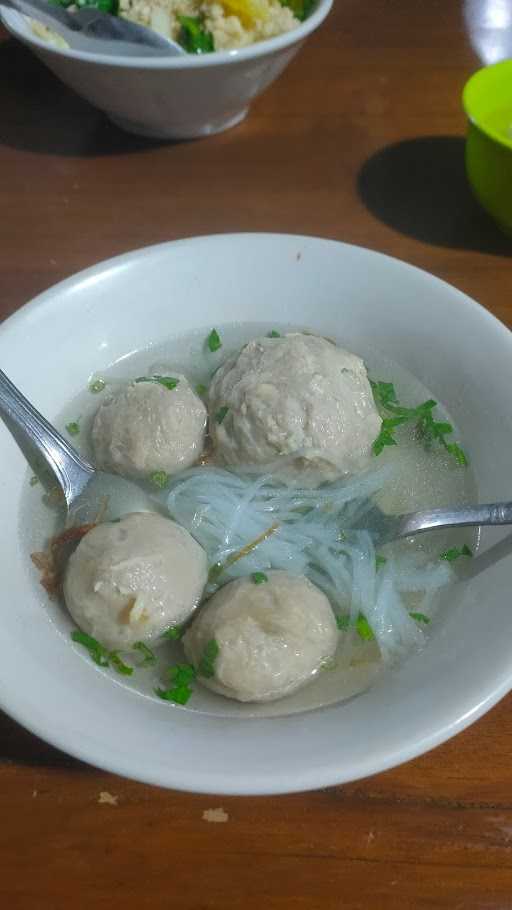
(362, 139)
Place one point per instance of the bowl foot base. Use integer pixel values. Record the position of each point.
(180, 132)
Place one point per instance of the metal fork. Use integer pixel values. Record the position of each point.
(385, 528)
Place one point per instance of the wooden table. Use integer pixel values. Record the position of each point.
(360, 140)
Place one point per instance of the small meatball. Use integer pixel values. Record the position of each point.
(147, 427)
(131, 580)
(297, 395)
(272, 637)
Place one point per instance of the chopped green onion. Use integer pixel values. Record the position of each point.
(213, 341)
(97, 652)
(178, 694)
(148, 656)
(201, 390)
(181, 676)
(362, 626)
(105, 6)
(100, 655)
(119, 665)
(34, 481)
(159, 479)
(384, 393)
(215, 572)
(427, 428)
(97, 385)
(73, 427)
(174, 633)
(454, 552)
(364, 629)
(169, 382)
(221, 413)
(193, 37)
(342, 622)
(259, 578)
(420, 617)
(209, 656)
(274, 334)
(300, 8)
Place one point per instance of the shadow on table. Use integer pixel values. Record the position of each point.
(39, 114)
(23, 748)
(419, 187)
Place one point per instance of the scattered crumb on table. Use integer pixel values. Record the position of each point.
(215, 815)
(107, 798)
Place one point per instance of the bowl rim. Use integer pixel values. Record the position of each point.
(468, 101)
(321, 775)
(190, 61)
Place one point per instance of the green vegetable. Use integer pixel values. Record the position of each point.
(384, 393)
(181, 676)
(215, 572)
(431, 430)
(97, 386)
(106, 6)
(34, 480)
(148, 656)
(206, 664)
(194, 37)
(420, 617)
(201, 390)
(178, 694)
(380, 561)
(119, 665)
(221, 413)
(174, 633)
(73, 427)
(454, 552)
(301, 9)
(213, 341)
(428, 429)
(97, 652)
(274, 334)
(259, 578)
(169, 382)
(363, 627)
(159, 479)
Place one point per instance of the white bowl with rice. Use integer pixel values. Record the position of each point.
(182, 97)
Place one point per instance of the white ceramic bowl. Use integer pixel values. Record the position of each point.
(171, 97)
(461, 353)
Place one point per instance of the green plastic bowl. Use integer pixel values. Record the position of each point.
(487, 101)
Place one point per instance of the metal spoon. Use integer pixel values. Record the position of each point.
(385, 528)
(92, 30)
(87, 491)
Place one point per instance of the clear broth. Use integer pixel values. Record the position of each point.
(426, 480)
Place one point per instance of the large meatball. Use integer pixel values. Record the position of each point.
(294, 395)
(148, 427)
(130, 580)
(271, 637)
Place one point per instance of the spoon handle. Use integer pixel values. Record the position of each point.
(30, 428)
(494, 513)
